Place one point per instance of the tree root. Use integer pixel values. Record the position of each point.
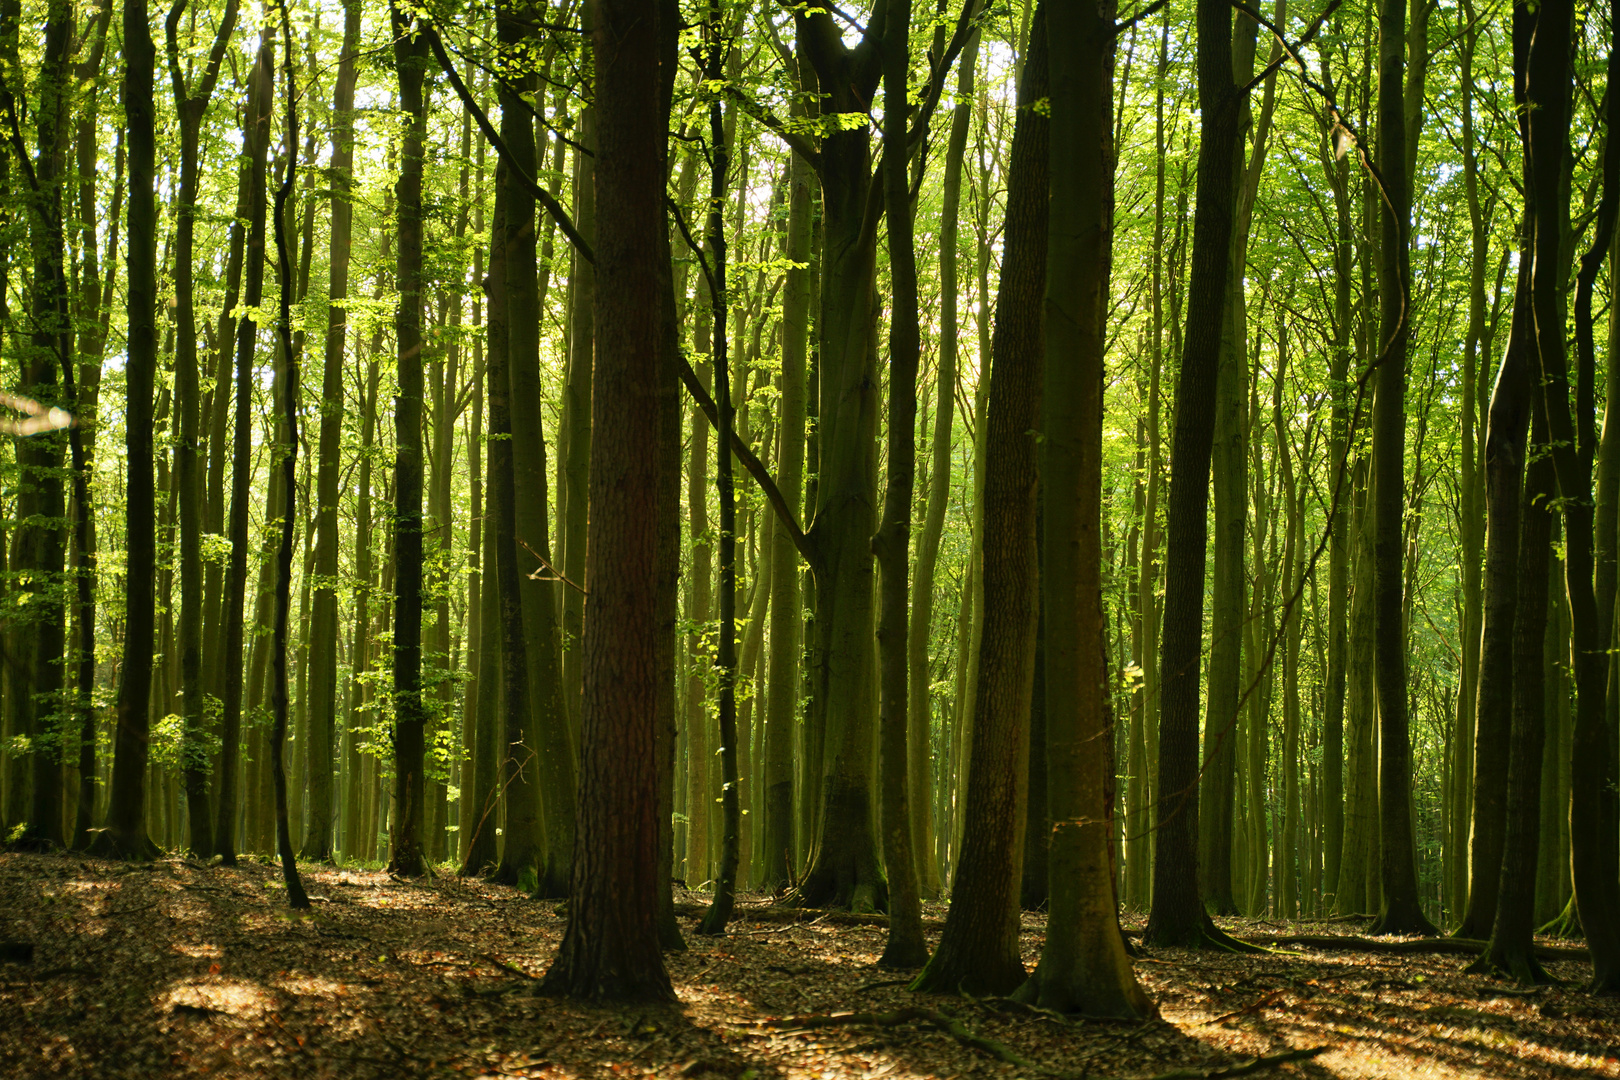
(775, 914)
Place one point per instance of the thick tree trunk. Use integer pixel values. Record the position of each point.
(1512, 944)
(1592, 841)
(610, 950)
(844, 866)
(1400, 912)
(1083, 966)
(126, 834)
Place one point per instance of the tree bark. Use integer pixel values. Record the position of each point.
(410, 790)
(1177, 916)
(610, 950)
(1400, 912)
(1083, 966)
(978, 950)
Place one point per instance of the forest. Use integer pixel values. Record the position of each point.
(568, 537)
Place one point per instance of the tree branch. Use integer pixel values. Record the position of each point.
(755, 467)
(541, 195)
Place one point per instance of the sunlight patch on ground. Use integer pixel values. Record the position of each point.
(230, 996)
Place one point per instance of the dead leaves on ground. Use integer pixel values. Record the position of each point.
(180, 969)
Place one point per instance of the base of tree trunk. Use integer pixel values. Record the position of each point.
(859, 888)
(1514, 960)
(1202, 935)
(109, 844)
(1403, 920)
(1566, 924)
(1086, 996)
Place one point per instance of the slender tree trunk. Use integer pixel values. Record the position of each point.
(410, 790)
(919, 701)
(1401, 912)
(1177, 916)
(324, 618)
(256, 138)
(286, 383)
(777, 840)
(978, 950)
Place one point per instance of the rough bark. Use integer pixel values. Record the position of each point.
(610, 950)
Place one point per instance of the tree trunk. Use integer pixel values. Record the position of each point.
(1083, 966)
(1512, 945)
(323, 633)
(1400, 912)
(1593, 852)
(1177, 916)
(919, 700)
(844, 867)
(978, 950)
(777, 840)
(610, 950)
(126, 806)
(410, 790)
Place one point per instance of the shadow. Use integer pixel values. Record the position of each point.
(175, 969)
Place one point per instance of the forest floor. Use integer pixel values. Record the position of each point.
(177, 969)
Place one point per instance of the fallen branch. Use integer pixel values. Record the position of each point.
(1447, 946)
(911, 1015)
(1253, 1007)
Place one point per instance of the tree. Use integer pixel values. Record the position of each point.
(610, 950)
(978, 950)
(1083, 966)
(190, 106)
(125, 834)
(410, 788)
(1400, 912)
(1177, 916)
(323, 630)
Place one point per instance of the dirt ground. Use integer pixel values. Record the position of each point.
(176, 969)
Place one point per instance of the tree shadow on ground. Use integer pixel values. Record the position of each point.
(180, 969)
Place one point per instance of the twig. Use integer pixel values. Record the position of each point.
(1253, 1007)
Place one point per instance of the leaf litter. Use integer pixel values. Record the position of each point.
(179, 969)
